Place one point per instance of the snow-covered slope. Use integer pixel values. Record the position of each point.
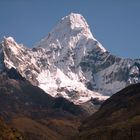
(70, 62)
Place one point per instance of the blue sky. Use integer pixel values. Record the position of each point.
(115, 23)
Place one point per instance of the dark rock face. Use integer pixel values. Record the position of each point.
(118, 118)
(13, 74)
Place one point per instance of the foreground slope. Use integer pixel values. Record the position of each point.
(118, 118)
(8, 133)
(37, 115)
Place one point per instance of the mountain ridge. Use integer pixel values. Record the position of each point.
(70, 63)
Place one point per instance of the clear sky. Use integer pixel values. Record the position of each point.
(115, 23)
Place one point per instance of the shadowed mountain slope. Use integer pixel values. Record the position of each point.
(37, 115)
(117, 119)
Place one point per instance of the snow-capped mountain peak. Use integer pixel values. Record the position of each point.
(69, 32)
(70, 62)
(77, 22)
(11, 39)
(11, 43)
(39, 67)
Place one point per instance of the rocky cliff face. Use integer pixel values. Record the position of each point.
(70, 62)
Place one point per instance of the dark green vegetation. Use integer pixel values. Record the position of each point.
(117, 119)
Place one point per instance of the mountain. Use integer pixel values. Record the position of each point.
(35, 114)
(70, 63)
(117, 119)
